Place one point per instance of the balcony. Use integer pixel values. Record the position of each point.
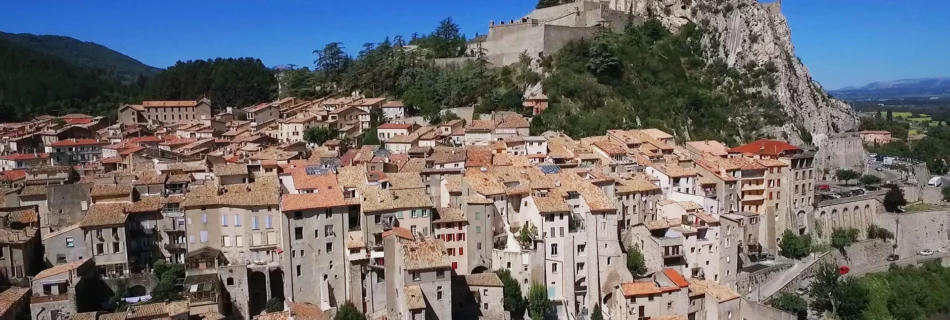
(177, 247)
(753, 187)
(752, 197)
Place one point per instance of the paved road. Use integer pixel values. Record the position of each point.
(769, 288)
(883, 266)
(885, 174)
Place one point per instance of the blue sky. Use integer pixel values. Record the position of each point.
(843, 42)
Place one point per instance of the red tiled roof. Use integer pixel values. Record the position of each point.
(765, 147)
(12, 175)
(78, 142)
(400, 232)
(78, 120)
(676, 277)
(146, 139)
(395, 126)
(25, 156)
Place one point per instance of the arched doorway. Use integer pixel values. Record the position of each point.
(277, 283)
(137, 291)
(479, 269)
(257, 292)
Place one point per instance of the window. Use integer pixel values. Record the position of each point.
(237, 220)
(554, 249)
(415, 276)
(329, 247)
(69, 244)
(461, 251)
(316, 233)
(438, 294)
(239, 241)
(230, 281)
(554, 267)
(298, 233)
(224, 220)
(267, 223)
(298, 215)
(254, 224)
(580, 267)
(440, 274)
(478, 229)
(298, 270)
(204, 218)
(115, 247)
(100, 248)
(581, 247)
(227, 241)
(203, 235)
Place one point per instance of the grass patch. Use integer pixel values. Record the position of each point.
(877, 289)
(920, 119)
(920, 207)
(902, 114)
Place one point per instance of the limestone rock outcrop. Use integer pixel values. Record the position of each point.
(744, 31)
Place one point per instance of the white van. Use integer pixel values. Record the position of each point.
(935, 182)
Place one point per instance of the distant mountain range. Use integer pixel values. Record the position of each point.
(904, 88)
(87, 55)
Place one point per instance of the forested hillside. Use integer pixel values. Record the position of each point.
(32, 83)
(88, 55)
(227, 82)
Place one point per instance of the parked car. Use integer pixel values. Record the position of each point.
(879, 169)
(926, 252)
(824, 187)
(801, 291)
(893, 257)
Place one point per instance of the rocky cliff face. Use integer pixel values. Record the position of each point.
(744, 32)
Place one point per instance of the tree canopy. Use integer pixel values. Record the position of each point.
(869, 180)
(791, 303)
(635, 262)
(795, 246)
(230, 82)
(846, 175)
(349, 312)
(513, 302)
(538, 302)
(894, 199)
(319, 135)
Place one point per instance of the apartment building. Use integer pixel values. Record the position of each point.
(166, 111)
(418, 279)
(665, 294)
(20, 243)
(316, 219)
(104, 232)
(76, 151)
(636, 198)
(452, 228)
(55, 289)
(673, 178)
(293, 129)
(23, 160)
(479, 296)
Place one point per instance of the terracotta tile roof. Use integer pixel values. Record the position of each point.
(662, 223)
(390, 125)
(13, 175)
(676, 277)
(441, 156)
(230, 170)
(513, 121)
(113, 316)
(765, 147)
(194, 166)
(179, 178)
(610, 147)
(399, 232)
(414, 298)
(596, 199)
(10, 297)
(551, 204)
(110, 190)
(656, 133)
(105, 214)
(488, 279)
(639, 288)
(483, 182)
(303, 181)
(376, 199)
(772, 163)
(413, 165)
(177, 307)
(149, 104)
(60, 231)
(280, 315)
(78, 142)
(480, 125)
(393, 104)
(671, 317)
(25, 156)
(116, 159)
(674, 171)
(478, 158)
(354, 240)
(351, 177)
(476, 199)
(306, 311)
(33, 190)
(746, 164)
(635, 184)
(450, 214)
(262, 192)
(426, 254)
(92, 315)
(404, 180)
(453, 183)
(322, 199)
(717, 291)
(151, 179)
(712, 147)
(25, 214)
(147, 204)
(147, 310)
(60, 268)
(17, 236)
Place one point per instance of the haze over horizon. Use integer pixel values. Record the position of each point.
(846, 43)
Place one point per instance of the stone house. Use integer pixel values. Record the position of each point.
(14, 301)
(418, 279)
(19, 243)
(479, 296)
(709, 300)
(104, 232)
(54, 289)
(65, 245)
(174, 111)
(664, 294)
(394, 110)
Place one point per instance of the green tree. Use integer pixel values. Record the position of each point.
(118, 297)
(845, 298)
(877, 115)
(539, 305)
(513, 302)
(332, 62)
(841, 238)
(795, 246)
(791, 303)
(167, 275)
(635, 262)
(597, 314)
(846, 175)
(890, 116)
(349, 312)
(946, 193)
(894, 199)
(869, 180)
(275, 304)
(319, 135)
(875, 232)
